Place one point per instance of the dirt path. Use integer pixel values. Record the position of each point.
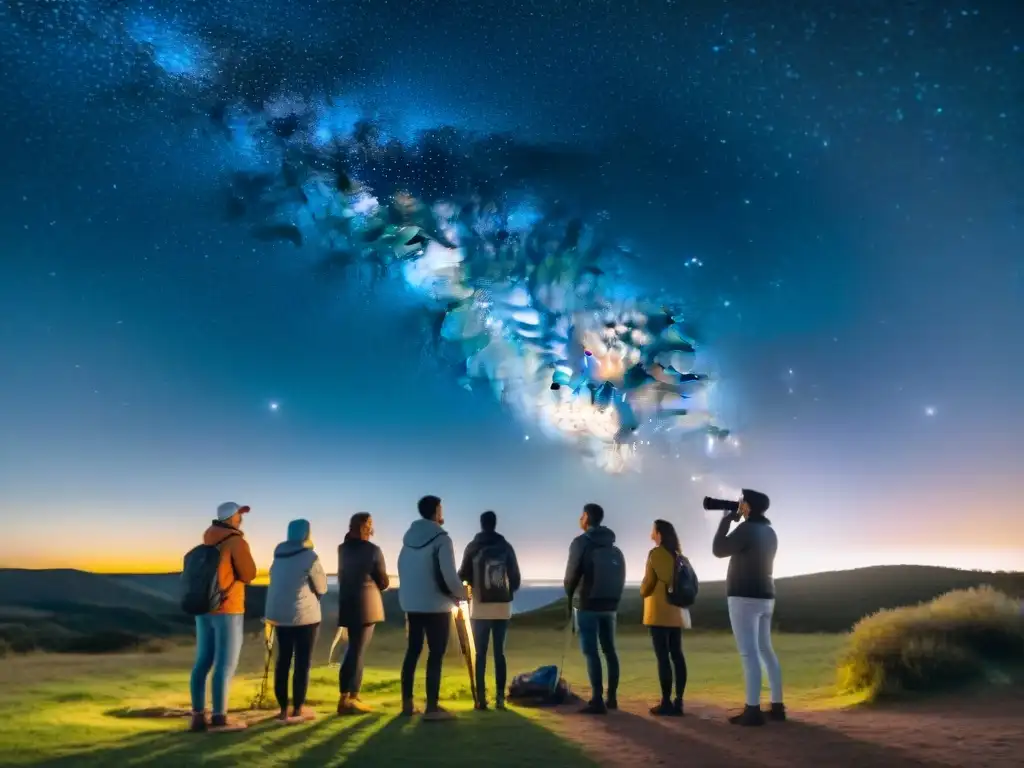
(974, 734)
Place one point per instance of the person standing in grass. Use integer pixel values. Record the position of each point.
(362, 577)
(219, 629)
(428, 588)
(490, 568)
(664, 620)
(297, 582)
(595, 577)
(750, 587)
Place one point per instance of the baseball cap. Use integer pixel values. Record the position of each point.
(229, 509)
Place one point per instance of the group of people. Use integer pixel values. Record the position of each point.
(431, 584)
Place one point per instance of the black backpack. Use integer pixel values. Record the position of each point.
(201, 592)
(490, 575)
(682, 592)
(604, 572)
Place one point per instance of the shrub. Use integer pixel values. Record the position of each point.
(960, 637)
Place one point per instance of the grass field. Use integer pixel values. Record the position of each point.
(66, 710)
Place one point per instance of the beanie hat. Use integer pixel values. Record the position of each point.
(757, 501)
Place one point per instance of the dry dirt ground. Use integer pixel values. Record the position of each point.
(970, 732)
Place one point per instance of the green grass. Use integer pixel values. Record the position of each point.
(79, 711)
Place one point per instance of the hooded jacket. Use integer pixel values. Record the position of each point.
(236, 566)
(479, 609)
(575, 581)
(297, 582)
(751, 551)
(426, 562)
(362, 576)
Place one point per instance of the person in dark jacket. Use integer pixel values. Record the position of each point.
(750, 587)
(594, 576)
(362, 576)
(490, 568)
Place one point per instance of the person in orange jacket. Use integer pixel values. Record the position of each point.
(219, 632)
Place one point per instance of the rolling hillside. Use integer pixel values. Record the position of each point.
(76, 610)
(821, 602)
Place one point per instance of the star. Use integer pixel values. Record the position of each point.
(275, 406)
(929, 410)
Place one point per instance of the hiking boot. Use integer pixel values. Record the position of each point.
(664, 709)
(677, 706)
(749, 716)
(357, 706)
(226, 724)
(302, 715)
(612, 703)
(777, 713)
(438, 714)
(500, 703)
(594, 707)
(409, 708)
(481, 705)
(343, 704)
(198, 724)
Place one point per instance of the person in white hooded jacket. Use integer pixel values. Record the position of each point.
(428, 587)
(297, 582)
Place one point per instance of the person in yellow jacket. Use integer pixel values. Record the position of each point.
(665, 620)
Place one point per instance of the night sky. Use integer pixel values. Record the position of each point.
(850, 176)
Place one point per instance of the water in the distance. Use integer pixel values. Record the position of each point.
(531, 596)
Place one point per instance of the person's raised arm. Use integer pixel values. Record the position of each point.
(317, 578)
(242, 562)
(650, 580)
(466, 570)
(574, 567)
(728, 544)
(380, 571)
(446, 556)
(515, 579)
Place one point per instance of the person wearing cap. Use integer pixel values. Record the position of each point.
(297, 582)
(219, 632)
(750, 587)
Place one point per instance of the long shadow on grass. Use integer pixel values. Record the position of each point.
(265, 744)
(717, 743)
(474, 739)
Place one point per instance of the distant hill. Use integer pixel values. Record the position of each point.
(68, 609)
(820, 602)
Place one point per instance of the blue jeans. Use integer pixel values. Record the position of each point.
(751, 620)
(218, 646)
(482, 631)
(598, 627)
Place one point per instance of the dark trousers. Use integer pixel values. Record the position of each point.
(435, 627)
(597, 628)
(297, 642)
(482, 631)
(668, 649)
(350, 678)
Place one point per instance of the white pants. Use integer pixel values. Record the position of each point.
(751, 620)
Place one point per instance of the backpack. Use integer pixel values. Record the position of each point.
(682, 592)
(604, 573)
(543, 687)
(201, 592)
(490, 575)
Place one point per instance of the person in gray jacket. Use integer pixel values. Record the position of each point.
(297, 582)
(428, 587)
(362, 576)
(750, 590)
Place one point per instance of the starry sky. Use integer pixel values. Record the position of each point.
(850, 176)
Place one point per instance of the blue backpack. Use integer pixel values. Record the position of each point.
(682, 592)
(543, 687)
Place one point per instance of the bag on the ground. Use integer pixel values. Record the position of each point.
(201, 593)
(682, 592)
(490, 575)
(543, 687)
(604, 571)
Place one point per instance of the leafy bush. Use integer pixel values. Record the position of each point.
(960, 637)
